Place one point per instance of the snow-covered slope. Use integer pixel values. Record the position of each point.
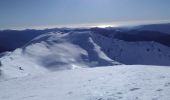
(79, 49)
(102, 83)
(155, 27)
(56, 51)
(33, 72)
(68, 48)
(144, 53)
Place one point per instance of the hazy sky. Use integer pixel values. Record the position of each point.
(37, 13)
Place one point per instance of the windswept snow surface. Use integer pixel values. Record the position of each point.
(123, 82)
(55, 51)
(79, 49)
(103, 68)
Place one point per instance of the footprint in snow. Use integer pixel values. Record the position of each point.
(70, 93)
(154, 98)
(167, 84)
(89, 80)
(162, 77)
(106, 99)
(134, 89)
(119, 93)
(159, 90)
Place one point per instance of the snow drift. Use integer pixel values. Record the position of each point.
(102, 83)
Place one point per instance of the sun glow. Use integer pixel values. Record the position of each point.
(105, 25)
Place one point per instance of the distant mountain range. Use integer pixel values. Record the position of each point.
(12, 39)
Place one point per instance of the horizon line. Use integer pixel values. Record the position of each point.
(90, 25)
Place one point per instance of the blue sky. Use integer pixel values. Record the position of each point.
(37, 13)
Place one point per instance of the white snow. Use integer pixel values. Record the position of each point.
(103, 83)
(37, 71)
(58, 51)
(99, 51)
(54, 51)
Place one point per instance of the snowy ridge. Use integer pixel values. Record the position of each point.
(155, 27)
(56, 51)
(79, 49)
